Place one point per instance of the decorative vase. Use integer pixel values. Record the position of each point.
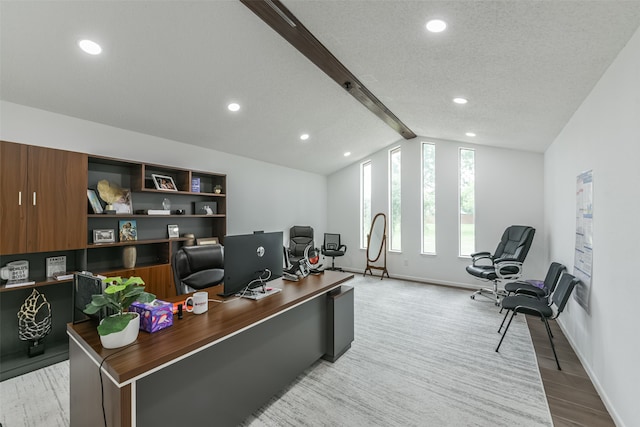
(191, 239)
(125, 336)
(129, 254)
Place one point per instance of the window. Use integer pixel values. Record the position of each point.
(365, 202)
(467, 208)
(428, 198)
(395, 199)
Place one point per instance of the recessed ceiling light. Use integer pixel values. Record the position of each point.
(471, 134)
(233, 106)
(90, 47)
(460, 100)
(304, 136)
(347, 154)
(436, 25)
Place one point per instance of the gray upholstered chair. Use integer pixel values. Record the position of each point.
(197, 267)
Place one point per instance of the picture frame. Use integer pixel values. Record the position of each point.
(173, 231)
(128, 230)
(94, 201)
(207, 241)
(104, 235)
(124, 204)
(164, 182)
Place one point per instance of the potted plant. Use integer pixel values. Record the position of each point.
(121, 328)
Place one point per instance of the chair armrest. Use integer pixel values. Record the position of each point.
(508, 269)
(479, 256)
(526, 292)
(343, 246)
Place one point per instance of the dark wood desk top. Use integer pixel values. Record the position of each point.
(194, 331)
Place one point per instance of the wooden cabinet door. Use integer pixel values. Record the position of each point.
(158, 279)
(13, 198)
(57, 200)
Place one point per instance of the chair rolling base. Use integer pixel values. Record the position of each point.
(493, 294)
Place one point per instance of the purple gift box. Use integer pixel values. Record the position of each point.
(155, 315)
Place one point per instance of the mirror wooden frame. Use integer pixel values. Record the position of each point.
(381, 250)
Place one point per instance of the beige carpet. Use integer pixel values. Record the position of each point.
(423, 356)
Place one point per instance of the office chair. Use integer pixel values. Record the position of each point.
(532, 287)
(505, 263)
(548, 308)
(197, 267)
(332, 248)
(300, 236)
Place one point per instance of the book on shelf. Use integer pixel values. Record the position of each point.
(18, 283)
(56, 265)
(153, 212)
(195, 185)
(64, 276)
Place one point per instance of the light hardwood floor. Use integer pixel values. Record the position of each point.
(572, 398)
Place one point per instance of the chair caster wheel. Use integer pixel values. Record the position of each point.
(472, 297)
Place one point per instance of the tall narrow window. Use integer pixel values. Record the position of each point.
(365, 202)
(467, 202)
(428, 198)
(395, 202)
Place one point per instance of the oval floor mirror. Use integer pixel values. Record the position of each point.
(377, 246)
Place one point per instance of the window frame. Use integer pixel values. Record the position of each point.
(422, 210)
(460, 189)
(363, 226)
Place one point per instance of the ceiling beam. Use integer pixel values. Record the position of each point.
(278, 17)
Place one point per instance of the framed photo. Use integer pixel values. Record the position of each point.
(123, 204)
(128, 230)
(164, 182)
(207, 241)
(94, 201)
(104, 236)
(173, 231)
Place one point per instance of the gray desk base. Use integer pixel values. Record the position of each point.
(225, 383)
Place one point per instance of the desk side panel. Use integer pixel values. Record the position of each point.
(225, 383)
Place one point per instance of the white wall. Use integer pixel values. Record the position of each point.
(261, 196)
(509, 190)
(603, 135)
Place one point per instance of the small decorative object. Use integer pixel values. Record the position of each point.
(56, 265)
(166, 204)
(129, 256)
(128, 230)
(164, 182)
(191, 239)
(217, 189)
(121, 328)
(195, 185)
(96, 206)
(104, 236)
(206, 208)
(15, 272)
(34, 322)
(173, 231)
(110, 192)
(180, 212)
(207, 241)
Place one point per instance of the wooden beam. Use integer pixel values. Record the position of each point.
(278, 17)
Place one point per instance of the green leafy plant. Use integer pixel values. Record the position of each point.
(118, 295)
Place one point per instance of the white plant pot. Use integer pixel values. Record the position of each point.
(124, 337)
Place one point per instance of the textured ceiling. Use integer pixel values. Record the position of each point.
(170, 68)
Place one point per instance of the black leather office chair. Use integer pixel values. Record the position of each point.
(505, 263)
(333, 248)
(548, 308)
(531, 287)
(197, 267)
(300, 236)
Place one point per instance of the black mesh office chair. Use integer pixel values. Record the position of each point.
(197, 267)
(505, 263)
(300, 236)
(333, 248)
(548, 308)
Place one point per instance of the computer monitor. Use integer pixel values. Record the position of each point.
(248, 256)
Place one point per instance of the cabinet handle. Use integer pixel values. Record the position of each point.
(19, 198)
(34, 198)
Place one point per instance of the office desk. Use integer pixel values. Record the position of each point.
(214, 368)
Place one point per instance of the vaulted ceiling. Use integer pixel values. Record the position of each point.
(170, 68)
